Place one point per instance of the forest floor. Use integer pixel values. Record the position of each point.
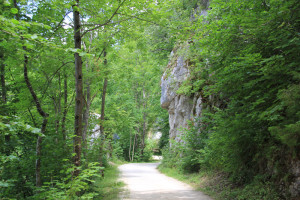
(145, 182)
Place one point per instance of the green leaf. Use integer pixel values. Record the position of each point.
(75, 8)
(14, 11)
(34, 36)
(7, 3)
(72, 50)
(14, 21)
(47, 27)
(82, 54)
(36, 130)
(5, 184)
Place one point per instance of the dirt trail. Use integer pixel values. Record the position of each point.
(145, 182)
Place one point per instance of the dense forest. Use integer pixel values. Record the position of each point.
(80, 88)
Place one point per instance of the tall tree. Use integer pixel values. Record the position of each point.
(78, 89)
(2, 77)
(39, 108)
(102, 117)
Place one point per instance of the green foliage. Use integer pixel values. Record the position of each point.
(16, 157)
(289, 131)
(39, 35)
(186, 152)
(109, 186)
(217, 185)
(244, 62)
(117, 151)
(71, 187)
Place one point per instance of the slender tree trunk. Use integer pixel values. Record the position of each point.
(79, 90)
(130, 146)
(4, 98)
(39, 153)
(144, 122)
(103, 105)
(102, 133)
(63, 123)
(86, 114)
(44, 124)
(56, 117)
(58, 107)
(133, 147)
(103, 97)
(32, 118)
(45, 115)
(2, 75)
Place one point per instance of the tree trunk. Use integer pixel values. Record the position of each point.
(58, 107)
(39, 154)
(43, 129)
(63, 123)
(144, 122)
(2, 75)
(4, 99)
(103, 106)
(129, 153)
(79, 90)
(38, 181)
(86, 114)
(102, 133)
(133, 148)
(103, 97)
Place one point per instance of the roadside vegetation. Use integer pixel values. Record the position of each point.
(108, 187)
(219, 186)
(244, 63)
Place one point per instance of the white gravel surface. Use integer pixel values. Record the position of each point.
(145, 182)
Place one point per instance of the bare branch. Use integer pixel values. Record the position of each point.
(59, 24)
(50, 79)
(136, 17)
(101, 53)
(107, 22)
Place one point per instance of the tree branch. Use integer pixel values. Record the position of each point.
(49, 81)
(136, 17)
(107, 22)
(59, 24)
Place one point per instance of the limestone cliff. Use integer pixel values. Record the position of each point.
(181, 108)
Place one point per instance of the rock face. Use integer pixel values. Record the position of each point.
(294, 187)
(181, 108)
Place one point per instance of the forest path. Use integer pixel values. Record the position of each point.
(145, 182)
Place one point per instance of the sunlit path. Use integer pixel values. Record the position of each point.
(145, 182)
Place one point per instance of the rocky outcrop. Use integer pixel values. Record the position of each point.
(294, 187)
(181, 108)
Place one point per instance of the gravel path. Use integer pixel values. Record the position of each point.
(145, 182)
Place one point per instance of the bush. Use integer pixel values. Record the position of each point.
(71, 187)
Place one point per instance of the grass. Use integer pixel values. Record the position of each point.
(217, 185)
(197, 180)
(109, 187)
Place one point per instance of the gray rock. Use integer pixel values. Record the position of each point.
(181, 108)
(294, 187)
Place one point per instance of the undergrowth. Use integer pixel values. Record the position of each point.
(218, 186)
(108, 187)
